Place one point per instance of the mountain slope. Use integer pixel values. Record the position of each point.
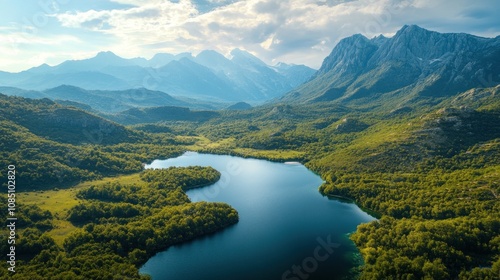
(188, 78)
(114, 101)
(295, 74)
(261, 78)
(414, 64)
(251, 76)
(54, 146)
(50, 120)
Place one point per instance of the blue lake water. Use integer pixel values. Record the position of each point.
(286, 230)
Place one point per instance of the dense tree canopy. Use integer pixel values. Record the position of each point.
(430, 170)
(120, 227)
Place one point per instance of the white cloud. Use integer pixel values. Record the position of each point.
(296, 31)
(137, 2)
(22, 51)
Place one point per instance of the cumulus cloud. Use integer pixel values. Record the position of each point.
(22, 51)
(297, 31)
(270, 29)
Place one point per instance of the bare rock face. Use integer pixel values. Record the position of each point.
(351, 55)
(415, 61)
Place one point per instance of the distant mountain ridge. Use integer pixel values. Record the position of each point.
(105, 101)
(55, 122)
(208, 76)
(414, 63)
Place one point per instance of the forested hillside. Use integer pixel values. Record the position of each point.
(53, 145)
(431, 172)
(117, 227)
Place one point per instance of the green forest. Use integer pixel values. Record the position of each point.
(120, 226)
(431, 170)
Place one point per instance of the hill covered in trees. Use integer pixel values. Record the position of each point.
(119, 226)
(426, 160)
(54, 145)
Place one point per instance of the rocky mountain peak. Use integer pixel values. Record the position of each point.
(415, 61)
(213, 59)
(106, 55)
(350, 55)
(413, 44)
(243, 57)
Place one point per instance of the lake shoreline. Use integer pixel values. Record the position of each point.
(351, 200)
(264, 187)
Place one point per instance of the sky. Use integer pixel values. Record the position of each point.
(33, 32)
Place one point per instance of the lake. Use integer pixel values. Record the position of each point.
(286, 230)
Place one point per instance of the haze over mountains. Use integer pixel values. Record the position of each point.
(411, 65)
(109, 101)
(208, 76)
(394, 72)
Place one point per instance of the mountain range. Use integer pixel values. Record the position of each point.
(206, 76)
(413, 67)
(410, 66)
(109, 101)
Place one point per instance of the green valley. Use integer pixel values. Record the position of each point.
(432, 173)
(392, 128)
